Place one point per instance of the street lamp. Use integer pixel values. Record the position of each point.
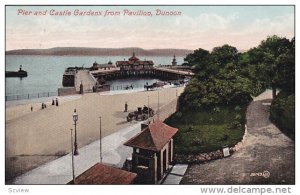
(158, 105)
(73, 171)
(100, 141)
(148, 111)
(75, 119)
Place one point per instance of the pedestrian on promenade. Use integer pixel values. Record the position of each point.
(126, 107)
(56, 102)
(31, 108)
(53, 103)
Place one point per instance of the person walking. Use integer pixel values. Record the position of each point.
(126, 107)
(56, 102)
(31, 108)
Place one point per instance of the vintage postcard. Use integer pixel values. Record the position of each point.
(152, 94)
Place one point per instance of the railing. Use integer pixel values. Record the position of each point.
(126, 87)
(30, 96)
(140, 86)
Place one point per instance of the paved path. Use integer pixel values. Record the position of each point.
(266, 150)
(176, 174)
(59, 170)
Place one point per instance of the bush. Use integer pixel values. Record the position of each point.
(282, 113)
(207, 130)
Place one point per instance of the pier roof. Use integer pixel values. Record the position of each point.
(133, 60)
(133, 57)
(124, 63)
(154, 137)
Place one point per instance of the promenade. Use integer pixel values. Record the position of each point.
(35, 138)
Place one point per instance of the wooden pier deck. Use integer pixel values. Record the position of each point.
(175, 71)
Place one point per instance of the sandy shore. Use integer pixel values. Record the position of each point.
(45, 134)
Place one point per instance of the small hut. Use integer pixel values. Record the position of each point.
(152, 151)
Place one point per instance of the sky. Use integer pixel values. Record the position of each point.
(197, 27)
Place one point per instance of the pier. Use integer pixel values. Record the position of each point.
(86, 79)
(94, 78)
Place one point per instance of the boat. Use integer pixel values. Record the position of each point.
(19, 73)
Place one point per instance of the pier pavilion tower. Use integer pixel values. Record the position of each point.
(174, 62)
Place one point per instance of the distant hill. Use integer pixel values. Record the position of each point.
(84, 51)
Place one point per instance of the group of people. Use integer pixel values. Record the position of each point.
(127, 87)
(54, 102)
(44, 105)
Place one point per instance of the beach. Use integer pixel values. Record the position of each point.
(33, 138)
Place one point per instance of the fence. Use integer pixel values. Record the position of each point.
(140, 85)
(30, 96)
(126, 87)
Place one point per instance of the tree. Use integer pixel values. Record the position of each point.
(223, 55)
(199, 59)
(272, 48)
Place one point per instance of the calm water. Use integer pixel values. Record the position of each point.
(45, 72)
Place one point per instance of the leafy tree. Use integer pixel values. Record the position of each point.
(271, 49)
(226, 77)
(224, 55)
(199, 59)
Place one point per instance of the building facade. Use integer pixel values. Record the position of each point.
(97, 66)
(135, 66)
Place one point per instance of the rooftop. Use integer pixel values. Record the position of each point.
(154, 137)
(103, 174)
(133, 57)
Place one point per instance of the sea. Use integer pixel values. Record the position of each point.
(45, 72)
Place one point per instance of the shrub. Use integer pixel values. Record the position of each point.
(282, 113)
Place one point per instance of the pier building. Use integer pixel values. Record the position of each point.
(135, 66)
(97, 66)
(93, 79)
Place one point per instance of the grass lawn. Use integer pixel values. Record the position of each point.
(208, 130)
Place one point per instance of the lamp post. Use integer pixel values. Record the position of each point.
(73, 171)
(75, 119)
(100, 141)
(158, 105)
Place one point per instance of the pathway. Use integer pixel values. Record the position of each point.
(267, 156)
(176, 174)
(87, 81)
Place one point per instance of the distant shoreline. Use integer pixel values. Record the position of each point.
(84, 51)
